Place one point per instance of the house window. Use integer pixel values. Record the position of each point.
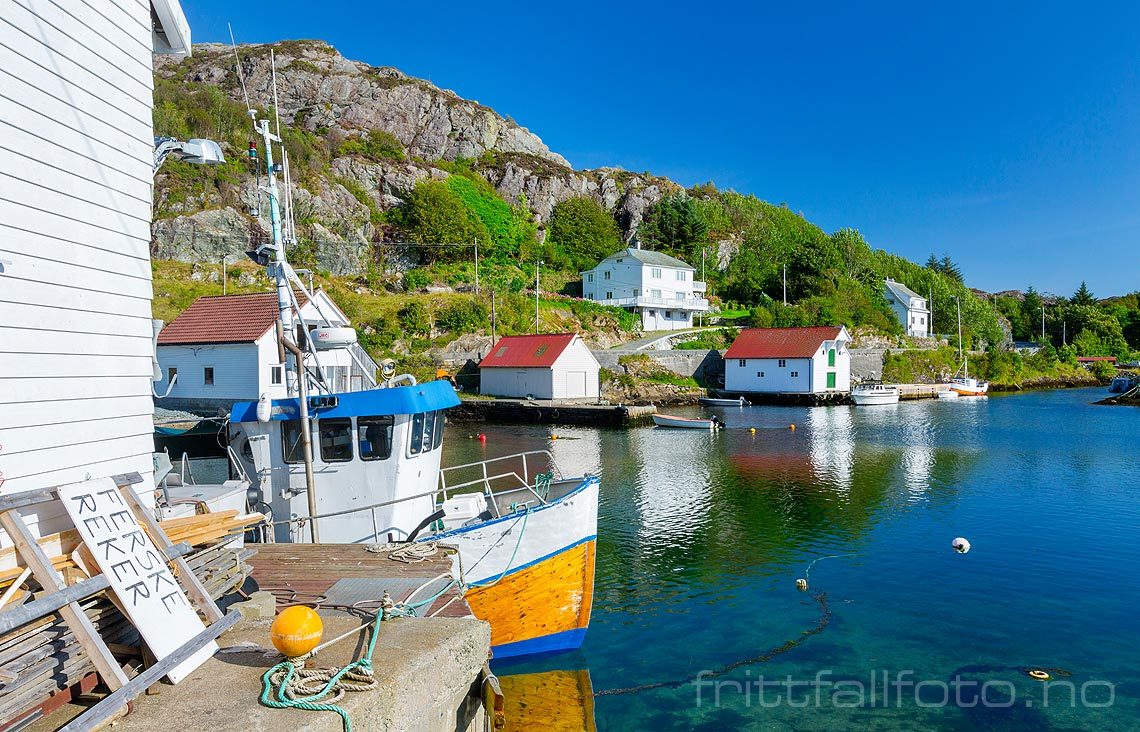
(336, 439)
(922, 320)
(668, 314)
(636, 292)
(374, 437)
(783, 363)
(606, 276)
(741, 363)
(609, 296)
(276, 374)
(590, 277)
(795, 374)
(619, 261)
(760, 374)
(680, 296)
(656, 293)
(208, 376)
(655, 273)
(682, 275)
(170, 374)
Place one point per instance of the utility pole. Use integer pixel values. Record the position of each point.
(493, 321)
(537, 264)
(701, 313)
(785, 284)
(1042, 325)
(930, 307)
(1064, 335)
(476, 265)
(223, 274)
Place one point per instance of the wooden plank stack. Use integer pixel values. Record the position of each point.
(43, 657)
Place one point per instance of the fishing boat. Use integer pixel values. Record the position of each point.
(875, 393)
(964, 385)
(717, 402)
(689, 423)
(365, 467)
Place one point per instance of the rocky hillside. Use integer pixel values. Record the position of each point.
(360, 138)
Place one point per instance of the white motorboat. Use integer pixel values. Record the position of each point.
(690, 423)
(717, 402)
(948, 394)
(866, 395)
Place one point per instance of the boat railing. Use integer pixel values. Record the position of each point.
(489, 483)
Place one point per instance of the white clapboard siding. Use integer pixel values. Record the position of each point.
(14, 315)
(76, 157)
(51, 390)
(236, 371)
(57, 226)
(44, 267)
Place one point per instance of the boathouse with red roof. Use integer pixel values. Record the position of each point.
(789, 361)
(223, 349)
(552, 366)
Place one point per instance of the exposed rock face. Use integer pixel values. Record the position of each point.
(322, 92)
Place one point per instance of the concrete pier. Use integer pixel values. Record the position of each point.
(542, 411)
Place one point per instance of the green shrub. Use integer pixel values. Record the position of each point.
(466, 315)
(581, 234)
(376, 145)
(414, 318)
(417, 279)
(1103, 371)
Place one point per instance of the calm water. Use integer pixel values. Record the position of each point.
(702, 536)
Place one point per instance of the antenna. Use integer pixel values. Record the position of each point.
(237, 67)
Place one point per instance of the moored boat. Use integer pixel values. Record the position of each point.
(691, 423)
(948, 394)
(717, 402)
(875, 393)
(968, 387)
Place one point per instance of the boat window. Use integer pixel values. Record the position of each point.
(336, 439)
(291, 441)
(375, 437)
(416, 434)
(439, 423)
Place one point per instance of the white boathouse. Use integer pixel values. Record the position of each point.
(76, 173)
(557, 366)
(789, 361)
(223, 349)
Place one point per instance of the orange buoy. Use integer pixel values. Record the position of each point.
(792, 427)
(296, 630)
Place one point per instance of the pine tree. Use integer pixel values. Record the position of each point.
(933, 264)
(1083, 296)
(948, 268)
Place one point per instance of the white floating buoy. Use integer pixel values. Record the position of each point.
(960, 545)
(801, 585)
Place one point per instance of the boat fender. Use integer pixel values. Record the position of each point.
(264, 408)
(792, 427)
(801, 585)
(1039, 675)
(752, 430)
(960, 545)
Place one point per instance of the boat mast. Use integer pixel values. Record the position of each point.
(961, 352)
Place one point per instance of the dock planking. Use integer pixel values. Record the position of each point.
(311, 570)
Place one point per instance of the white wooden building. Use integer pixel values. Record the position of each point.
(223, 349)
(789, 361)
(76, 170)
(910, 308)
(556, 366)
(663, 290)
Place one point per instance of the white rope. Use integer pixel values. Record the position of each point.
(406, 553)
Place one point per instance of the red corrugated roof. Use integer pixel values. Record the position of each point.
(780, 342)
(224, 319)
(1091, 359)
(527, 352)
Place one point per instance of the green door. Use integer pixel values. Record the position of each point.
(831, 357)
(831, 378)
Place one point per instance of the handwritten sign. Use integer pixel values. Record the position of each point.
(136, 570)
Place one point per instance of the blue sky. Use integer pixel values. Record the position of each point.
(1007, 135)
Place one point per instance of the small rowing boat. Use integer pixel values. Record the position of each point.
(668, 420)
(716, 402)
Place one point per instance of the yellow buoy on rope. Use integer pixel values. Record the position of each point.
(1039, 675)
(296, 631)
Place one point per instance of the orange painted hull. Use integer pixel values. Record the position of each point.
(535, 606)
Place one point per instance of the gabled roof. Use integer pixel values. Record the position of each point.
(781, 342)
(224, 319)
(527, 351)
(902, 292)
(645, 256)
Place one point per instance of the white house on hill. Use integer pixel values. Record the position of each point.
(910, 308)
(789, 361)
(223, 349)
(558, 366)
(659, 288)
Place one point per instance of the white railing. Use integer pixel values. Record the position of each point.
(689, 303)
(700, 287)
